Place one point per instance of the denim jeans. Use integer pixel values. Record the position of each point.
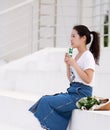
(54, 111)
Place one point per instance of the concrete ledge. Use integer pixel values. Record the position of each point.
(19, 95)
(14, 114)
(90, 120)
(23, 81)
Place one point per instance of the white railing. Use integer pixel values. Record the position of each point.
(24, 28)
(16, 30)
(16, 6)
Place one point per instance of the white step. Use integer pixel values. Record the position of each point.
(4, 126)
(14, 114)
(37, 74)
(90, 120)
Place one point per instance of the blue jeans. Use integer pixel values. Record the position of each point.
(54, 111)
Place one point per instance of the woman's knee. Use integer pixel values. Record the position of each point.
(44, 99)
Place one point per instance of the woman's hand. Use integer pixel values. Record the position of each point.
(66, 59)
(69, 60)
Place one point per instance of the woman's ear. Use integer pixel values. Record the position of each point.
(84, 38)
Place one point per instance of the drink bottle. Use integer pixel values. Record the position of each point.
(70, 51)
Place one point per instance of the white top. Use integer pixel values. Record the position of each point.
(86, 61)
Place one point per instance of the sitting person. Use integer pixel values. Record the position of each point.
(54, 111)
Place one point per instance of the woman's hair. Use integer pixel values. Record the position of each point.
(95, 46)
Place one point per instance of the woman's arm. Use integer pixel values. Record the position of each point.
(67, 66)
(68, 71)
(85, 75)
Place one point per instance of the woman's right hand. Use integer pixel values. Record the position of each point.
(66, 59)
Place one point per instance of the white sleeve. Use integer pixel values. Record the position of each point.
(89, 62)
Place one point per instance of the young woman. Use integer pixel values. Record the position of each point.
(54, 111)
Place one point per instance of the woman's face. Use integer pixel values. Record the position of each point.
(75, 39)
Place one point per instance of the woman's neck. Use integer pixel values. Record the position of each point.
(81, 50)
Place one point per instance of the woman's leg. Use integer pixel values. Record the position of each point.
(54, 112)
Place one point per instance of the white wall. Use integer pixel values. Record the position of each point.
(102, 87)
(41, 73)
(23, 81)
(86, 13)
(15, 29)
(44, 72)
(25, 24)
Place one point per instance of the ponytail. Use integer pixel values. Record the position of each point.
(95, 46)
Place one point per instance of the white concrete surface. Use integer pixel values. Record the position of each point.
(14, 114)
(102, 78)
(25, 74)
(16, 22)
(90, 120)
(23, 81)
(40, 73)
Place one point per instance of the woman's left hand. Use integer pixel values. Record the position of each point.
(71, 61)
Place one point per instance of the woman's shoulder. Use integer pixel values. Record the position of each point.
(88, 54)
(88, 57)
